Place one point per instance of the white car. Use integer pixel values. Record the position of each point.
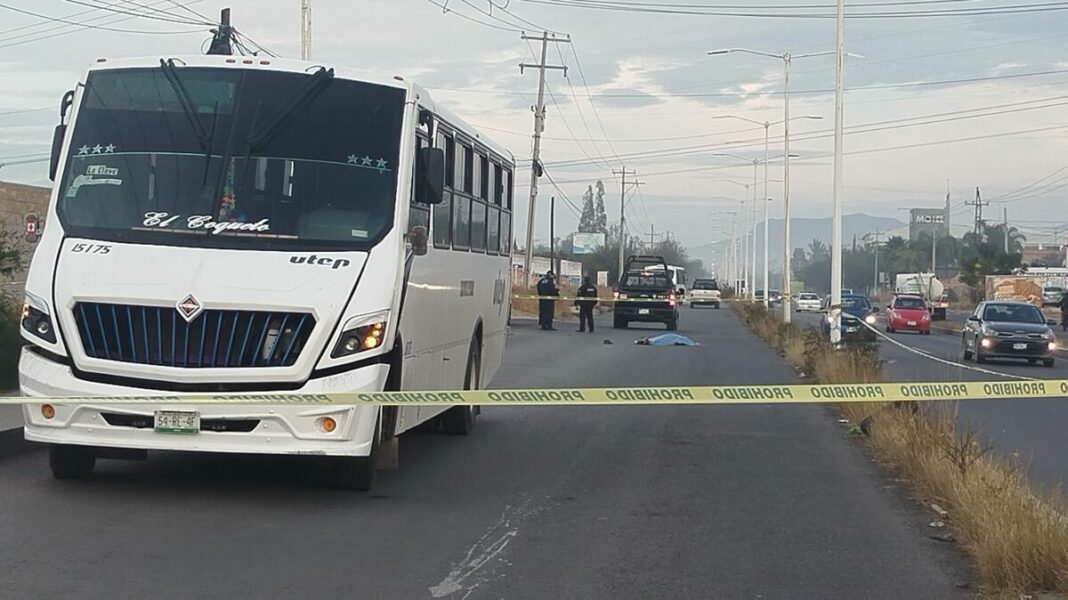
(807, 302)
(704, 291)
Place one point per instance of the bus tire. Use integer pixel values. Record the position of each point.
(355, 473)
(460, 420)
(71, 462)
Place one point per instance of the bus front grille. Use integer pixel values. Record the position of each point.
(154, 335)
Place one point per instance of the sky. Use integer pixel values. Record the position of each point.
(935, 104)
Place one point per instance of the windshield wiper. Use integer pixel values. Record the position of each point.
(287, 112)
(186, 101)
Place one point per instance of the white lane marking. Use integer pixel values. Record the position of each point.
(484, 552)
(951, 363)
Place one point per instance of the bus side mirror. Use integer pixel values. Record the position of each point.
(430, 175)
(58, 134)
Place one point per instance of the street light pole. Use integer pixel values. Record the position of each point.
(785, 292)
(787, 59)
(836, 223)
(755, 215)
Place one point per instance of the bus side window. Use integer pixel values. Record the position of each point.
(493, 230)
(442, 225)
(469, 170)
(506, 201)
(461, 222)
(497, 197)
(506, 233)
(484, 178)
(478, 225)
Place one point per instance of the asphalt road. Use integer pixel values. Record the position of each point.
(540, 502)
(1033, 428)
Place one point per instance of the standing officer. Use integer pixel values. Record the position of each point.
(588, 290)
(547, 306)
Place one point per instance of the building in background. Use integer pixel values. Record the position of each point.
(933, 222)
(19, 204)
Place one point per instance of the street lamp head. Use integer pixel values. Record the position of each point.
(721, 51)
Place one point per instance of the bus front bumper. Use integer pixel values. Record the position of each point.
(233, 428)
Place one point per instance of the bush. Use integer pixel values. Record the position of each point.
(10, 344)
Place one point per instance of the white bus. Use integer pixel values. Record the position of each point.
(242, 225)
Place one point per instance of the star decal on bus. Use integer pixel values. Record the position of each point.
(83, 150)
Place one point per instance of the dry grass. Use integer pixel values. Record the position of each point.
(1017, 537)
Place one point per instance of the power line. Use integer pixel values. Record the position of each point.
(755, 12)
(86, 25)
(154, 17)
(881, 86)
(872, 127)
(446, 10)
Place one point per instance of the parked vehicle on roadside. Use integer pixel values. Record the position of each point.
(858, 319)
(1008, 329)
(261, 227)
(908, 313)
(646, 293)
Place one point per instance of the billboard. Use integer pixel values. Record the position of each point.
(587, 243)
(930, 221)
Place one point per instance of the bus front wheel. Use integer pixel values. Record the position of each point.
(459, 420)
(356, 472)
(71, 462)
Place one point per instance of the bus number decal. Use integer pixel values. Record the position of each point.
(90, 249)
(467, 287)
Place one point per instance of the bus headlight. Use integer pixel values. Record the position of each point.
(36, 320)
(362, 333)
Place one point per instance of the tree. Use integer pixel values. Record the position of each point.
(817, 250)
(600, 217)
(588, 218)
(799, 261)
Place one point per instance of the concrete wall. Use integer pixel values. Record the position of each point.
(16, 200)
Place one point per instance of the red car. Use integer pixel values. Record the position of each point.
(908, 313)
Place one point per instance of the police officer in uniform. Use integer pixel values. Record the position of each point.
(547, 306)
(588, 290)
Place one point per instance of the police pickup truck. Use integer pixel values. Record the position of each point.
(646, 293)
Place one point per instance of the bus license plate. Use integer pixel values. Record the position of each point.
(643, 311)
(177, 421)
(1019, 346)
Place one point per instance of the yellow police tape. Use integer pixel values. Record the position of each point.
(721, 394)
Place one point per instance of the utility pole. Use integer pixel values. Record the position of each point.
(875, 285)
(539, 126)
(305, 29)
(224, 34)
(1005, 214)
(836, 221)
(978, 204)
(622, 213)
(653, 236)
(552, 233)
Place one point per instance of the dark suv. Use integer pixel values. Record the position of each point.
(646, 294)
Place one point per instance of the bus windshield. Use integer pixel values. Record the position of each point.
(231, 158)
